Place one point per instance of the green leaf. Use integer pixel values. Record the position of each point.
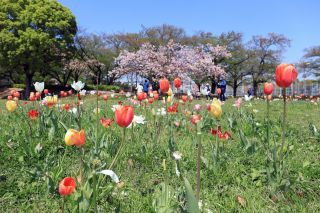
(192, 204)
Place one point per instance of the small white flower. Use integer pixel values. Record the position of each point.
(247, 98)
(115, 107)
(111, 174)
(161, 111)
(38, 147)
(151, 94)
(189, 93)
(128, 94)
(39, 86)
(83, 92)
(92, 92)
(112, 95)
(74, 110)
(137, 119)
(77, 85)
(177, 155)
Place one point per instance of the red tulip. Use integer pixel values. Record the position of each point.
(164, 85)
(285, 75)
(141, 96)
(33, 114)
(184, 98)
(268, 88)
(195, 119)
(38, 95)
(150, 100)
(67, 186)
(105, 97)
(173, 108)
(46, 91)
(70, 92)
(177, 83)
(156, 96)
(224, 136)
(124, 115)
(12, 92)
(10, 97)
(65, 94)
(66, 107)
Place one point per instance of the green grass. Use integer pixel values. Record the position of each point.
(29, 179)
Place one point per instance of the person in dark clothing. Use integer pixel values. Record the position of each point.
(250, 92)
(208, 95)
(146, 86)
(222, 85)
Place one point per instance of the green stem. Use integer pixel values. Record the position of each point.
(119, 150)
(268, 123)
(198, 169)
(94, 198)
(284, 120)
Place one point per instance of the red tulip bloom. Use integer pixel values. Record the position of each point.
(173, 108)
(195, 119)
(150, 100)
(46, 91)
(285, 75)
(156, 96)
(61, 93)
(268, 88)
(124, 115)
(70, 92)
(105, 97)
(33, 114)
(66, 107)
(184, 98)
(106, 122)
(67, 186)
(10, 97)
(38, 95)
(16, 94)
(12, 92)
(177, 83)
(224, 136)
(164, 85)
(141, 96)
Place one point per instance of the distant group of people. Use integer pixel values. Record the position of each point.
(221, 90)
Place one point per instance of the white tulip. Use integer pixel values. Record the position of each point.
(77, 85)
(39, 86)
(137, 119)
(83, 92)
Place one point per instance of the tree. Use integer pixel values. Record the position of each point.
(235, 66)
(267, 52)
(34, 35)
(311, 61)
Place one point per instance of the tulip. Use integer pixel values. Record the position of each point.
(184, 98)
(46, 91)
(106, 122)
(33, 114)
(66, 107)
(224, 136)
(12, 92)
(268, 88)
(215, 109)
(173, 108)
(51, 100)
(197, 107)
(70, 92)
(11, 105)
(170, 92)
(67, 186)
(177, 83)
(164, 85)
(10, 97)
(16, 94)
(74, 137)
(39, 87)
(38, 95)
(124, 115)
(156, 96)
(218, 91)
(77, 85)
(141, 96)
(195, 119)
(285, 75)
(105, 97)
(150, 100)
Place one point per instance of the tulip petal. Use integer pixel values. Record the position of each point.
(111, 174)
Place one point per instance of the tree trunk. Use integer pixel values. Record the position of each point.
(235, 87)
(28, 82)
(255, 88)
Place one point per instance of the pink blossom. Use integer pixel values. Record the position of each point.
(197, 107)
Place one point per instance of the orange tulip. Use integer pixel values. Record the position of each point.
(164, 85)
(105, 97)
(74, 137)
(285, 75)
(156, 96)
(218, 91)
(150, 100)
(124, 115)
(184, 98)
(177, 83)
(268, 88)
(67, 186)
(106, 122)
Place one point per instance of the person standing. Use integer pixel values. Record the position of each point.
(222, 85)
(146, 86)
(208, 96)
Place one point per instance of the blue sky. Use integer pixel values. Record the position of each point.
(296, 19)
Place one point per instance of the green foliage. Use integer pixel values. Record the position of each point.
(103, 87)
(20, 86)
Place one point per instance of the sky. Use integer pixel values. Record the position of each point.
(296, 19)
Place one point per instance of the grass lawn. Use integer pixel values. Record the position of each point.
(34, 158)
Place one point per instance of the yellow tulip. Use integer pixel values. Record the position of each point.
(51, 100)
(169, 99)
(216, 110)
(11, 105)
(169, 92)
